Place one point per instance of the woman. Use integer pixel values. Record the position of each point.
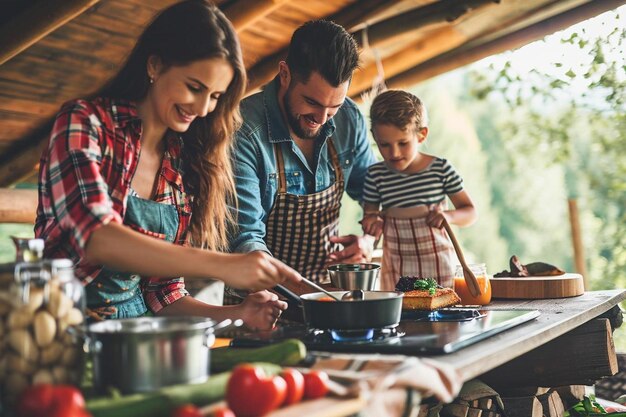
(146, 164)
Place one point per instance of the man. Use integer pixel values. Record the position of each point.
(303, 143)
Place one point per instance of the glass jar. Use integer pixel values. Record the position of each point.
(42, 319)
(460, 286)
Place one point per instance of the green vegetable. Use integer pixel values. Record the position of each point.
(289, 352)
(426, 284)
(588, 407)
(161, 403)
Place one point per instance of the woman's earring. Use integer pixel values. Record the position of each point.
(151, 80)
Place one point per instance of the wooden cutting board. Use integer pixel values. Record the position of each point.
(559, 286)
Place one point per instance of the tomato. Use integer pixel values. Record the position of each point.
(52, 401)
(315, 384)
(35, 400)
(295, 385)
(251, 393)
(187, 410)
(223, 412)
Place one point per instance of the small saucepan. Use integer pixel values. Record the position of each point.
(377, 309)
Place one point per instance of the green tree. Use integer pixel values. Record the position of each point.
(572, 117)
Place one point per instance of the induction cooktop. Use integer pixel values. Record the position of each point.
(418, 333)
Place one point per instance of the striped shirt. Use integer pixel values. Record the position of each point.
(389, 188)
(84, 181)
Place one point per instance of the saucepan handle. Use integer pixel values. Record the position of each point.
(289, 295)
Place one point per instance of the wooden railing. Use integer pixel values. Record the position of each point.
(18, 206)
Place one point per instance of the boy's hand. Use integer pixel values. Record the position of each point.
(436, 215)
(373, 225)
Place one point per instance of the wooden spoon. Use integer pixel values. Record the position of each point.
(470, 278)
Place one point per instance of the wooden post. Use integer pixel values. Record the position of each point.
(579, 251)
(18, 206)
(36, 22)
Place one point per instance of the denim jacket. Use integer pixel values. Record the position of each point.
(255, 163)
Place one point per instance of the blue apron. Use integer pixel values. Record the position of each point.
(117, 295)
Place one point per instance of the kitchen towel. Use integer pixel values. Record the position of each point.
(393, 385)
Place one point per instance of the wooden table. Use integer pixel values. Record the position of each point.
(517, 347)
(557, 318)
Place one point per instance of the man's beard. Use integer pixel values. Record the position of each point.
(294, 123)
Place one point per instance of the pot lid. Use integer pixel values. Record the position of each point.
(151, 325)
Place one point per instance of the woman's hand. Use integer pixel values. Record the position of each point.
(260, 310)
(373, 225)
(256, 271)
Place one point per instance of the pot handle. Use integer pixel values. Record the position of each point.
(288, 294)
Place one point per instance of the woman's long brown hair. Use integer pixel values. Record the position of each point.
(185, 32)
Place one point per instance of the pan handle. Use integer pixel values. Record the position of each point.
(288, 294)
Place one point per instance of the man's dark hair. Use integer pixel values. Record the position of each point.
(325, 47)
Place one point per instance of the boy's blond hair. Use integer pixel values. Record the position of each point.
(400, 109)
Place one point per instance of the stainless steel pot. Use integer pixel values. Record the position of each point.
(147, 353)
(354, 276)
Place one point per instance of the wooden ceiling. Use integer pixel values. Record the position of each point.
(55, 50)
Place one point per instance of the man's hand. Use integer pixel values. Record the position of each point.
(356, 249)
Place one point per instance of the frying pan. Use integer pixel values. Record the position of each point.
(377, 309)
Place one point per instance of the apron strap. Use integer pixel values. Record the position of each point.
(280, 165)
(335, 160)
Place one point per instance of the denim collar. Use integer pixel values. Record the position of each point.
(276, 127)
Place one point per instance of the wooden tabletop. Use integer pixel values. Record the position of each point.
(557, 317)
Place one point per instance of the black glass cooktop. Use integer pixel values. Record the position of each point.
(418, 333)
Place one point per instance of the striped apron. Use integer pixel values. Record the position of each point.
(299, 227)
(413, 248)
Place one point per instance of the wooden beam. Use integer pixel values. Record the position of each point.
(579, 357)
(36, 22)
(422, 50)
(441, 11)
(245, 13)
(18, 206)
(462, 56)
(350, 16)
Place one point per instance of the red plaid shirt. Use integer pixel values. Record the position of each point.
(84, 181)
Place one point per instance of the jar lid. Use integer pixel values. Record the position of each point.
(61, 263)
(151, 325)
(36, 245)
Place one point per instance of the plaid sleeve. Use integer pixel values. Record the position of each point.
(79, 194)
(159, 293)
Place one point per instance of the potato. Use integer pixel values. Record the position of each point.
(20, 318)
(59, 304)
(18, 364)
(35, 299)
(43, 376)
(45, 327)
(22, 342)
(70, 357)
(74, 317)
(52, 354)
(60, 375)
